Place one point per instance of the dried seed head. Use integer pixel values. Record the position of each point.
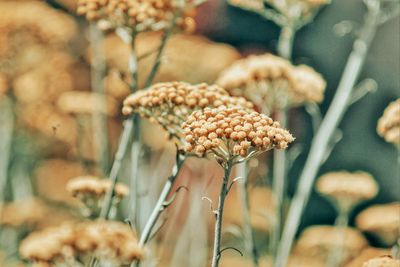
(381, 221)
(273, 82)
(233, 132)
(385, 261)
(142, 15)
(389, 123)
(169, 104)
(106, 240)
(347, 189)
(319, 241)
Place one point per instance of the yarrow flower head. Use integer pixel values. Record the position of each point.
(169, 104)
(389, 123)
(109, 241)
(385, 261)
(346, 189)
(231, 132)
(92, 190)
(273, 82)
(139, 15)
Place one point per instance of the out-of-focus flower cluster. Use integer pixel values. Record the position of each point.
(110, 241)
(169, 104)
(233, 132)
(22, 213)
(272, 82)
(139, 15)
(389, 123)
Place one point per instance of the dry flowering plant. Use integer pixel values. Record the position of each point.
(389, 124)
(232, 136)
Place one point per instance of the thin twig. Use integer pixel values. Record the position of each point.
(329, 124)
(218, 224)
(6, 137)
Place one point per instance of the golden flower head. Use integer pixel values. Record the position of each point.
(318, 241)
(385, 261)
(141, 15)
(389, 123)
(107, 240)
(382, 221)
(231, 132)
(169, 104)
(273, 82)
(347, 189)
(26, 212)
(49, 245)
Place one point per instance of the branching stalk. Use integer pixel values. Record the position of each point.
(219, 213)
(244, 200)
(325, 132)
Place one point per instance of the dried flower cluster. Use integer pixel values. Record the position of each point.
(233, 132)
(91, 186)
(347, 189)
(319, 241)
(169, 104)
(382, 221)
(22, 213)
(140, 15)
(385, 261)
(110, 241)
(273, 82)
(389, 123)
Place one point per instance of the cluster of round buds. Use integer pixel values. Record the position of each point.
(169, 104)
(141, 15)
(347, 189)
(381, 221)
(389, 123)
(230, 132)
(109, 241)
(91, 191)
(273, 82)
(385, 261)
(22, 213)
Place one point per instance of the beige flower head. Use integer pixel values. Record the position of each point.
(389, 123)
(91, 191)
(110, 241)
(318, 241)
(22, 213)
(52, 244)
(140, 15)
(347, 189)
(385, 261)
(273, 82)
(169, 104)
(79, 102)
(231, 132)
(381, 221)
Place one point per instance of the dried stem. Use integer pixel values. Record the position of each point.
(162, 200)
(6, 138)
(99, 120)
(285, 47)
(244, 197)
(325, 132)
(219, 213)
(341, 223)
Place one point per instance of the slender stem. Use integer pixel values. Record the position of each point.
(80, 129)
(219, 214)
(99, 120)
(324, 134)
(247, 229)
(285, 43)
(284, 49)
(342, 221)
(6, 138)
(121, 150)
